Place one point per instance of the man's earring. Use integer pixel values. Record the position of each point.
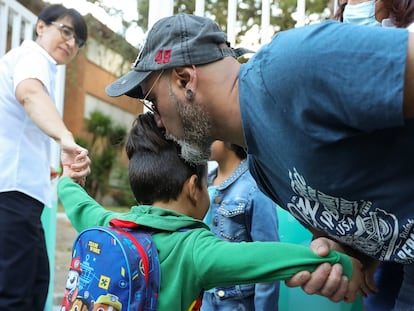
(189, 94)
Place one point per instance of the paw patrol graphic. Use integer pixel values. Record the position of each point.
(80, 304)
(107, 302)
(72, 284)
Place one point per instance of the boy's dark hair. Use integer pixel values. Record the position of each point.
(54, 12)
(156, 170)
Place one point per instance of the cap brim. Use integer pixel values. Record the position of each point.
(128, 84)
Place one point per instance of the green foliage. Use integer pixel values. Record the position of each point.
(104, 147)
(249, 12)
(123, 196)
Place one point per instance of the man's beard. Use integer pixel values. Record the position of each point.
(196, 141)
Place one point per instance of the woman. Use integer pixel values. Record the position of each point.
(28, 119)
(385, 13)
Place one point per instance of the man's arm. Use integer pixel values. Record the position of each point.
(409, 80)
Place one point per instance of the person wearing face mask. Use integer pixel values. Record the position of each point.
(385, 13)
(29, 121)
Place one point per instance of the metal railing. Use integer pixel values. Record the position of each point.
(16, 24)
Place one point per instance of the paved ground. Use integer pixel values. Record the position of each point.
(65, 235)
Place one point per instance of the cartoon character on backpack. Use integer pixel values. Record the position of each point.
(114, 267)
(107, 302)
(80, 304)
(72, 284)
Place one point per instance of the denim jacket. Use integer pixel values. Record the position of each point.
(238, 212)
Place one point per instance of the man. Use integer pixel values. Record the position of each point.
(326, 114)
(173, 199)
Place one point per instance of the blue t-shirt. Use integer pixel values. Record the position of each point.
(326, 135)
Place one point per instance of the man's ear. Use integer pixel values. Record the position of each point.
(185, 77)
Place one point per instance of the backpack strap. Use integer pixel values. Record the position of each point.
(141, 251)
(196, 305)
(118, 224)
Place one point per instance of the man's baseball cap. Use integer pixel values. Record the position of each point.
(175, 41)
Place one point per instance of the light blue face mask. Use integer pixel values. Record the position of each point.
(361, 14)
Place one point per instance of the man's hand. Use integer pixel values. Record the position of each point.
(328, 280)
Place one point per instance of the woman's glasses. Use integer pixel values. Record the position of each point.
(69, 34)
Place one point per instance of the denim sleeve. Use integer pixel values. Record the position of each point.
(266, 296)
(263, 218)
(264, 227)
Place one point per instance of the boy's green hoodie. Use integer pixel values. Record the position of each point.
(195, 260)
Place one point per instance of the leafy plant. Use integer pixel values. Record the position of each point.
(105, 146)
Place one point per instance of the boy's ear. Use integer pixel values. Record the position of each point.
(192, 189)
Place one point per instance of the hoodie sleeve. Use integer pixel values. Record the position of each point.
(82, 210)
(222, 263)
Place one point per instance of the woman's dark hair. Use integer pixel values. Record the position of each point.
(156, 170)
(54, 12)
(339, 14)
(401, 12)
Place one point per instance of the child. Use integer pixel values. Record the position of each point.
(172, 196)
(239, 212)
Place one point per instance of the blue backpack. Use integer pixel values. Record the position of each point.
(116, 267)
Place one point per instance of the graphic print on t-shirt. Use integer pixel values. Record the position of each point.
(371, 230)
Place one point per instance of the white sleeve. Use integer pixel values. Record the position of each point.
(32, 66)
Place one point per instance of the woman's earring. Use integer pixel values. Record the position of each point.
(189, 94)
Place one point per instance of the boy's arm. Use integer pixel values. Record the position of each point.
(256, 262)
(82, 210)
